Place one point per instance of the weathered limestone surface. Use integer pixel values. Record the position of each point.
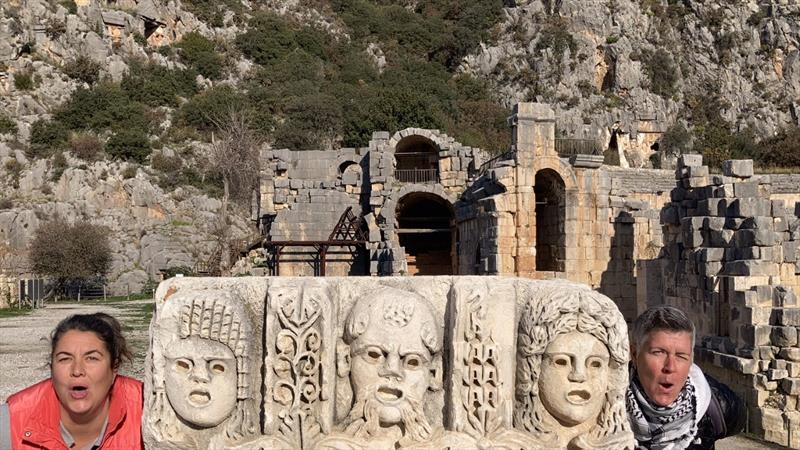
(365, 363)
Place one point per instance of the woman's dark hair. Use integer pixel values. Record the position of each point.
(107, 328)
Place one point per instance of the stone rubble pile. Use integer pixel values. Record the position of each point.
(731, 256)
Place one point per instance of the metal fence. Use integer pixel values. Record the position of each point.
(569, 146)
(416, 175)
(31, 292)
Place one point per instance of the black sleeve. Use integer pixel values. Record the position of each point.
(730, 405)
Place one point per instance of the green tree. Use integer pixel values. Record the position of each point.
(198, 52)
(70, 253)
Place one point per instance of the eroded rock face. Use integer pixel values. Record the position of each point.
(365, 363)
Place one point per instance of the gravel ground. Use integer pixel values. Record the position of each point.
(25, 340)
(25, 348)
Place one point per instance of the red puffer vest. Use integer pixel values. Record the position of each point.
(35, 417)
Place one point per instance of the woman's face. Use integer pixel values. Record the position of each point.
(82, 373)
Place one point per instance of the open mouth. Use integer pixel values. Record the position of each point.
(79, 392)
(578, 397)
(389, 394)
(666, 386)
(199, 398)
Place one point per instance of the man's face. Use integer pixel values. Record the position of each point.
(574, 377)
(392, 366)
(201, 380)
(663, 364)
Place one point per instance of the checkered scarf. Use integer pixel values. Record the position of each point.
(672, 427)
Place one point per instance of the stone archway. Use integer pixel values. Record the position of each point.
(426, 230)
(417, 160)
(550, 196)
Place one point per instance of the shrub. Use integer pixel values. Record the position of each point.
(47, 136)
(129, 172)
(7, 126)
(83, 69)
(557, 37)
(268, 39)
(6, 203)
(23, 81)
(199, 53)
(102, 107)
(70, 253)
(202, 110)
(129, 145)
(781, 150)
(59, 165)
(676, 140)
(14, 169)
(70, 5)
(156, 85)
(85, 146)
(662, 72)
(168, 164)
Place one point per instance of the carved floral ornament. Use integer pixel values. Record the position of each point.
(345, 363)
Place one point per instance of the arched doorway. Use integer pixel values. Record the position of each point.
(426, 231)
(417, 160)
(550, 214)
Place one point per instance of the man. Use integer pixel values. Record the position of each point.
(391, 361)
(672, 405)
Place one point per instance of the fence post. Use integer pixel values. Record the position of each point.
(104, 293)
(79, 294)
(129, 291)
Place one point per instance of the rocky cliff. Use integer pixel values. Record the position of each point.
(648, 64)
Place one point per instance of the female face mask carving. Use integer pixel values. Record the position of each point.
(201, 380)
(574, 377)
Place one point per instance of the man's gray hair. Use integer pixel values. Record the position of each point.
(667, 318)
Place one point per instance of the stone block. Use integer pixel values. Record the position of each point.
(748, 207)
(714, 223)
(783, 336)
(793, 368)
(757, 222)
(710, 254)
(778, 208)
(791, 354)
(745, 189)
(712, 207)
(750, 268)
(281, 182)
(723, 238)
(755, 237)
(790, 251)
(761, 381)
(696, 171)
(784, 297)
(777, 374)
(790, 386)
(739, 168)
(690, 160)
(786, 317)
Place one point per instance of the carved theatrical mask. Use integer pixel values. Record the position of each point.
(393, 343)
(574, 377)
(200, 380)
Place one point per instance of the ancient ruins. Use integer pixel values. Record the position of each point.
(385, 362)
(723, 247)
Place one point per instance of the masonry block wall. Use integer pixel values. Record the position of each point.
(308, 191)
(729, 260)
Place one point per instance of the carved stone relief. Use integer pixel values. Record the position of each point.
(369, 363)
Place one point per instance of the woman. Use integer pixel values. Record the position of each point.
(85, 404)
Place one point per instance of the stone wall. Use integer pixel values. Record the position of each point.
(383, 363)
(730, 261)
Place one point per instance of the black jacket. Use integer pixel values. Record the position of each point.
(725, 416)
